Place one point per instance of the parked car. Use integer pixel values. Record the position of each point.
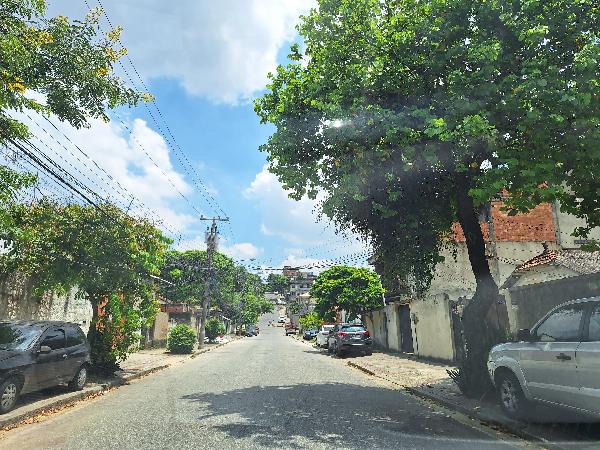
(349, 337)
(281, 319)
(290, 328)
(310, 334)
(557, 362)
(251, 331)
(36, 355)
(322, 335)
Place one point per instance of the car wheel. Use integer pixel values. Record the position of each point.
(512, 399)
(79, 380)
(9, 394)
(368, 352)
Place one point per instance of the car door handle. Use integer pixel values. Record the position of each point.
(563, 357)
(65, 356)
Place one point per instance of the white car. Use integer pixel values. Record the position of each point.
(281, 319)
(322, 335)
(557, 362)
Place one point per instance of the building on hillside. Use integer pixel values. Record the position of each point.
(300, 284)
(431, 325)
(291, 272)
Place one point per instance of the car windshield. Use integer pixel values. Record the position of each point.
(17, 337)
(328, 327)
(353, 329)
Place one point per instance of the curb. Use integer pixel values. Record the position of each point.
(507, 427)
(73, 398)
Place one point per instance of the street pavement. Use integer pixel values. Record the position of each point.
(264, 392)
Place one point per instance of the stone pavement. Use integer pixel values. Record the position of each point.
(430, 380)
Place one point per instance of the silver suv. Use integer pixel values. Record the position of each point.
(557, 362)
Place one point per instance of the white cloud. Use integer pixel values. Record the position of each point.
(126, 160)
(239, 251)
(245, 250)
(219, 50)
(297, 223)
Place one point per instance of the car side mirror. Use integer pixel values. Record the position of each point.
(44, 349)
(525, 335)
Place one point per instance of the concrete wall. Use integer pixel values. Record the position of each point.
(531, 302)
(432, 328)
(160, 329)
(18, 302)
(565, 224)
(383, 325)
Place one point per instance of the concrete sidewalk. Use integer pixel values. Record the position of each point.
(37, 405)
(430, 381)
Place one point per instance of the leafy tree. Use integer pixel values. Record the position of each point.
(355, 290)
(104, 253)
(214, 328)
(310, 320)
(254, 306)
(69, 62)
(181, 339)
(277, 283)
(410, 115)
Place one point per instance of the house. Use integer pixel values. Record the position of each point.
(547, 280)
(430, 324)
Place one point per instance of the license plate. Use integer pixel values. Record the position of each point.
(355, 337)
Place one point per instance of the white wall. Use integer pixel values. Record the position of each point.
(566, 224)
(432, 330)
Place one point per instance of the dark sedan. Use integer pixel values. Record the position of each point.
(310, 334)
(349, 337)
(36, 355)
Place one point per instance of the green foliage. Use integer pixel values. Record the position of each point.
(355, 290)
(104, 253)
(214, 327)
(69, 62)
(311, 320)
(181, 339)
(254, 306)
(277, 283)
(400, 111)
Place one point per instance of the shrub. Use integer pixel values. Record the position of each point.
(214, 327)
(181, 339)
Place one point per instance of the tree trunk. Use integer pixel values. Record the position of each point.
(480, 334)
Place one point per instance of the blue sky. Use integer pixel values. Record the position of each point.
(204, 62)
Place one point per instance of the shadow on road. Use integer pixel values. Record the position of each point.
(332, 414)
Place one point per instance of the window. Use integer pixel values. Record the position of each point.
(563, 325)
(74, 337)
(17, 337)
(594, 333)
(55, 339)
(353, 328)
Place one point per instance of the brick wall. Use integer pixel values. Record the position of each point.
(536, 225)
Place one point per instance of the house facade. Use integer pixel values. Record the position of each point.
(430, 324)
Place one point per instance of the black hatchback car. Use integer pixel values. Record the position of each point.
(36, 355)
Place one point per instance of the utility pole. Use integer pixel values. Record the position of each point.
(211, 240)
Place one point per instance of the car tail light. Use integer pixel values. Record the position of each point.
(366, 333)
(342, 334)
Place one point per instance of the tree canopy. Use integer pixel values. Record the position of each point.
(409, 115)
(277, 283)
(104, 253)
(70, 64)
(355, 290)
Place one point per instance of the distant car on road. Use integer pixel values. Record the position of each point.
(35, 355)
(344, 338)
(322, 335)
(281, 319)
(290, 328)
(557, 362)
(310, 334)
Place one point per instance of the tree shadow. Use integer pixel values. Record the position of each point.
(333, 415)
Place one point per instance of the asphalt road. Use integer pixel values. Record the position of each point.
(268, 391)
